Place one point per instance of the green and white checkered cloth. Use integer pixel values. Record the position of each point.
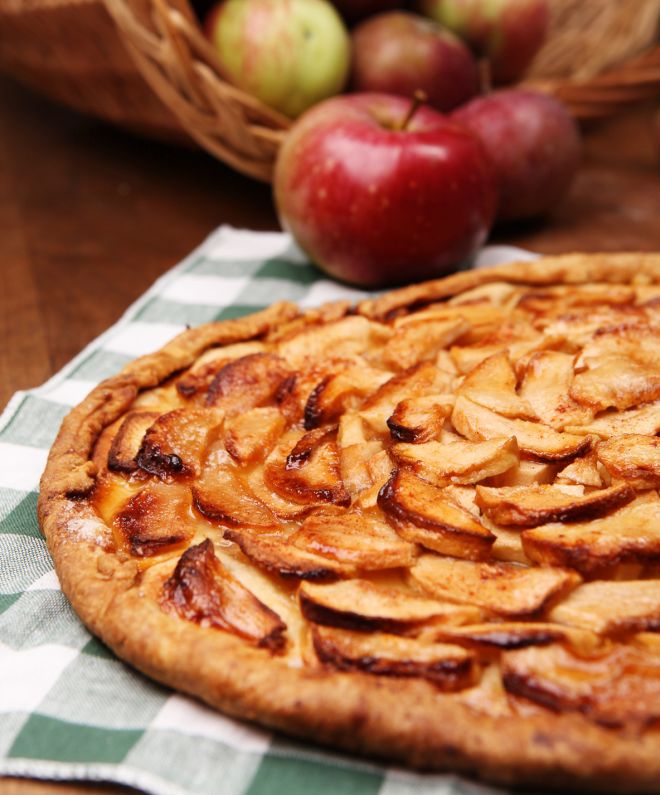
(68, 708)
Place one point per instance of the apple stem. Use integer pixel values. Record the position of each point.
(485, 76)
(418, 98)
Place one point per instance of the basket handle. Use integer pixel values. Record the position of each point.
(165, 41)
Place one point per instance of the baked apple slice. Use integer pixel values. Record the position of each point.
(420, 419)
(508, 635)
(364, 606)
(583, 471)
(194, 383)
(644, 421)
(616, 382)
(503, 588)
(608, 607)
(201, 589)
(446, 666)
(335, 393)
(529, 506)
(246, 383)
(618, 688)
(458, 462)
(128, 440)
(420, 341)
(478, 423)
(632, 458)
(221, 494)
(423, 514)
(492, 384)
(250, 436)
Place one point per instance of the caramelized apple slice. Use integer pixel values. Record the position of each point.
(420, 419)
(361, 605)
(608, 607)
(362, 540)
(176, 442)
(503, 588)
(631, 533)
(223, 495)
(518, 338)
(479, 423)
(619, 688)
(635, 340)
(616, 382)
(517, 635)
(310, 474)
(547, 378)
(447, 667)
(526, 472)
(583, 472)
(197, 379)
(354, 464)
(250, 436)
(633, 458)
(276, 553)
(335, 393)
(127, 441)
(644, 421)
(529, 506)
(492, 384)
(246, 383)
(201, 589)
(423, 379)
(423, 514)
(420, 341)
(154, 519)
(458, 462)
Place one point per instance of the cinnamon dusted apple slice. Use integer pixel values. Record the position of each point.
(311, 472)
(503, 588)
(458, 462)
(221, 494)
(420, 341)
(127, 441)
(547, 378)
(201, 589)
(616, 382)
(529, 506)
(364, 606)
(247, 382)
(518, 338)
(361, 540)
(517, 635)
(446, 666)
(492, 383)
(423, 514)
(175, 443)
(250, 436)
(349, 336)
(636, 340)
(644, 421)
(478, 423)
(583, 471)
(633, 458)
(618, 688)
(630, 534)
(197, 379)
(608, 607)
(155, 518)
(335, 393)
(276, 553)
(420, 419)
(422, 379)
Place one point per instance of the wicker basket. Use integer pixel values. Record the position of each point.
(146, 65)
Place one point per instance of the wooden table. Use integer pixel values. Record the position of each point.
(90, 216)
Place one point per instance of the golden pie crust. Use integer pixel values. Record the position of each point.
(426, 528)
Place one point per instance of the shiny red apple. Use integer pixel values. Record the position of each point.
(399, 53)
(377, 198)
(534, 146)
(508, 32)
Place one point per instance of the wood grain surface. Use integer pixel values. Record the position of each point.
(90, 216)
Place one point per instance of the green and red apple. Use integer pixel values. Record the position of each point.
(400, 53)
(507, 32)
(290, 54)
(378, 198)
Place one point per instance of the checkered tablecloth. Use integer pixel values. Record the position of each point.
(69, 709)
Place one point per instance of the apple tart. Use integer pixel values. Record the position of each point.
(424, 528)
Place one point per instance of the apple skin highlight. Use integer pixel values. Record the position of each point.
(374, 205)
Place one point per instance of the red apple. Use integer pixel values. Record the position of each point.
(399, 53)
(354, 10)
(508, 32)
(533, 144)
(375, 201)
